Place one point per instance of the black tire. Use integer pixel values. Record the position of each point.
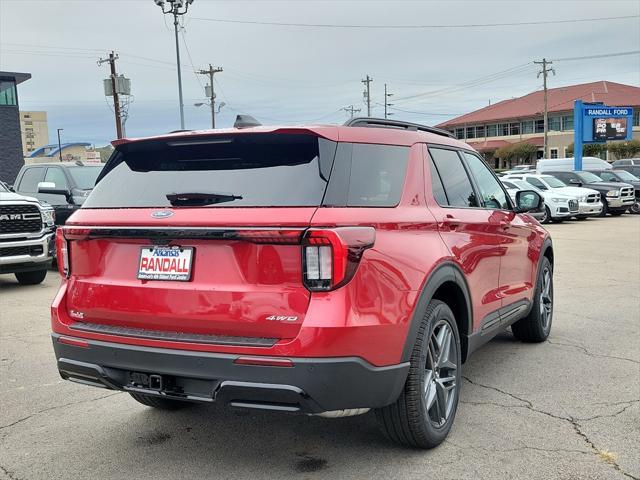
(536, 326)
(408, 421)
(605, 209)
(635, 208)
(581, 218)
(547, 216)
(617, 213)
(160, 402)
(31, 278)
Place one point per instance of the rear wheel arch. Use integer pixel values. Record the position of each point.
(447, 284)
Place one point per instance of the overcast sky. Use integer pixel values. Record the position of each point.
(293, 74)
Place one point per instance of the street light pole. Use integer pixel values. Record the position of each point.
(59, 144)
(177, 8)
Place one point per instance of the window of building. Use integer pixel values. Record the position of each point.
(28, 122)
(26, 115)
(539, 126)
(555, 123)
(8, 93)
(527, 126)
(553, 152)
(460, 133)
(514, 128)
(492, 130)
(480, 131)
(455, 180)
(503, 129)
(636, 118)
(493, 196)
(471, 132)
(567, 122)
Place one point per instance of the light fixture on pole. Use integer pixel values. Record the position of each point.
(176, 8)
(59, 144)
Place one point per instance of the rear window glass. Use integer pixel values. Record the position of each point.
(377, 175)
(249, 170)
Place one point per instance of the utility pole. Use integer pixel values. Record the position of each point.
(209, 92)
(544, 72)
(351, 110)
(59, 144)
(367, 93)
(116, 99)
(386, 104)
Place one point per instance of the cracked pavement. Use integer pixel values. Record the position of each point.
(568, 408)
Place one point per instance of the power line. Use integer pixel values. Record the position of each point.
(440, 26)
(603, 55)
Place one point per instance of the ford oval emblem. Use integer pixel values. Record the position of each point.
(162, 214)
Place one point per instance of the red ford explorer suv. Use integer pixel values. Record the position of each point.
(326, 270)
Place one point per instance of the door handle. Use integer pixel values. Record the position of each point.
(451, 222)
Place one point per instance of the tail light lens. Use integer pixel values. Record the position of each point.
(331, 256)
(62, 252)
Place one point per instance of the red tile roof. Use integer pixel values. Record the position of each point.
(559, 100)
(491, 145)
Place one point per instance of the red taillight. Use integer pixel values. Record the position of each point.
(62, 252)
(278, 237)
(330, 257)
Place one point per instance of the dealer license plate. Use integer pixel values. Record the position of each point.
(165, 263)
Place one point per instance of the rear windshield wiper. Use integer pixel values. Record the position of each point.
(198, 199)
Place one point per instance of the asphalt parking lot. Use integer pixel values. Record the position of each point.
(567, 408)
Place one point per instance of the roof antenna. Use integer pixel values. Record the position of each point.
(244, 121)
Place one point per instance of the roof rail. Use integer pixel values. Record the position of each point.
(384, 123)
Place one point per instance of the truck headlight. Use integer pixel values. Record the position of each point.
(49, 217)
(558, 200)
(613, 193)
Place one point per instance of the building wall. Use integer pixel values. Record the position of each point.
(11, 159)
(35, 131)
(69, 154)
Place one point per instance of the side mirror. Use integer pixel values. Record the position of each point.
(50, 188)
(528, 201)
(575, 182)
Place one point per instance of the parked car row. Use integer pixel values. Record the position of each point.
(599, 189)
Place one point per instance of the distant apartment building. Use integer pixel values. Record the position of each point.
(11, 153)
(35, 131)
(521, 119)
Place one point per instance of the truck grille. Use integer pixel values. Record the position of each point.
(627, 193)
(20, 219)
(573, 206)
(593, 198)
(32, 250)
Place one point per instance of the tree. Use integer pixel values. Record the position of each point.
(627, 149)
(589, 149)
(516, 151)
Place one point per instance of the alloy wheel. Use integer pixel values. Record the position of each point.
(546, 299)
(440, 380)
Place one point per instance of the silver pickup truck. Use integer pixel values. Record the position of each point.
(26, 236)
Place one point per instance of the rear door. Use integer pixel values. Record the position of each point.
(469, 231)
(515, 284)
(199, 236)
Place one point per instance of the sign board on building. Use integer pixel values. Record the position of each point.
(597, 123)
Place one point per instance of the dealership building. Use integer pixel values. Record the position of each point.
(521, 119)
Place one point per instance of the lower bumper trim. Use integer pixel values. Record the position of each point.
(312, 385)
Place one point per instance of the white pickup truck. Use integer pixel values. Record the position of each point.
(26, 236)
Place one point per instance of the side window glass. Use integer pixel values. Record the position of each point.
(30, 179)
(608, 177)
(436, 185)
(536, 183)
(493, 195)
(455, 180)
(56, 175)
(377, 175)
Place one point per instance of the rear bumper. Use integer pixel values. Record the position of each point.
(311, 385)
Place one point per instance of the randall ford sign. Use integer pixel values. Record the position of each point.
(608, 111)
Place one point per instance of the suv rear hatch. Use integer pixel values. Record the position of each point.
(197, 238)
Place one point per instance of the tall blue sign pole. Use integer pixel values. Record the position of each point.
(578, 119)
